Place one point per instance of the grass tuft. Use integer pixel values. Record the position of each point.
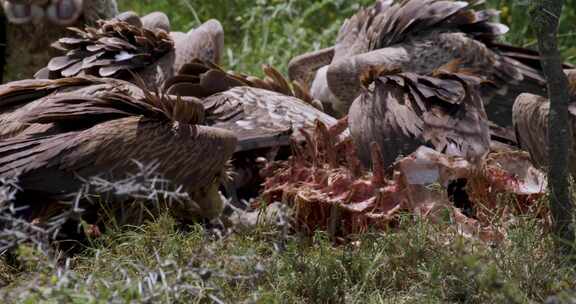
(419, 263)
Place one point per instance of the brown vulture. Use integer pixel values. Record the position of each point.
(102, 127)
(118, 47)
(75, 124)
(419, 36)
(264, 114)
(530, 117)
(402, 111)
(129, 43)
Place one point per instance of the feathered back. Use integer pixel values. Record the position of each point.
(93, 105)
(202, 79)
(403, 111)
(106, 50)
(389, 22)
(530, 119)
(261, 118)
(262, 113)
(18, 93)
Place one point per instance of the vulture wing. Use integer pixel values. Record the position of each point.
(403, 111)
(20, 98)
(18, 93)
(202, 79)
(105, 51)
(530, 118)
(187, 155)
(389, 22)
(261, 118)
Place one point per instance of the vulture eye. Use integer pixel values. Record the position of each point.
(17, 13)
(64, 12)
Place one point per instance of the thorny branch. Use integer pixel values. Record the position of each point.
(145, 187)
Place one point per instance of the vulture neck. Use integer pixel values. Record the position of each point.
(344, 75)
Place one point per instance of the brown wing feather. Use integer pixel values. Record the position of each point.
(261, 118)
(20, 92)
(420, 36)
(530, 118)
(18, 99)
(82, 106)
(191, 156)
(202, 79)
(391, 22)
(404, 111)
(112, 47)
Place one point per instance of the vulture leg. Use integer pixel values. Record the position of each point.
(320, 91)
(17, 12)
(303, 67)
(74, 9)
(209, 38)
(344, 76)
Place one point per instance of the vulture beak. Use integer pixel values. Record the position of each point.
(17, 13)
(64, 12)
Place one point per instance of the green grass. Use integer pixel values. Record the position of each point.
(418, 263)
(274, 31)
(262, 31)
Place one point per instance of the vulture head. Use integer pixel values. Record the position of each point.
(57, 12)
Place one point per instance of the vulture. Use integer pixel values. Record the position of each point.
(261, 113)
(264, 114)
(30, 26)
(402, 111)
(128, 43)
(530, 118)
(101, 127)
(56, 130)
(253, 108)
(117, 48)
(419, 36)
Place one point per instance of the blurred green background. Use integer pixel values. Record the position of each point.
(274, 31)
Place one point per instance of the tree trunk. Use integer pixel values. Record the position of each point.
(546, 15)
